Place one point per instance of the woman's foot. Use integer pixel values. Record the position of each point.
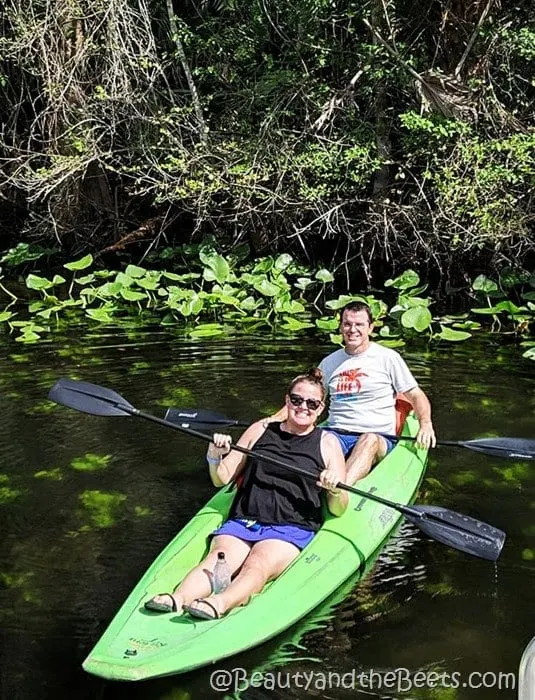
(165, 603)
(205, 608)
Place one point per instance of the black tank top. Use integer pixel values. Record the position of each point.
(274, 495)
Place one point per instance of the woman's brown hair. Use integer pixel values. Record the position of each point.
(314, 376)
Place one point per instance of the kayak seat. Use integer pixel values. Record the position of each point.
(403, 408)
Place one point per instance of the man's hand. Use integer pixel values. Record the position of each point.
(279, 417)
(426, 435)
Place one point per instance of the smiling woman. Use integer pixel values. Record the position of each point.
(275, 512)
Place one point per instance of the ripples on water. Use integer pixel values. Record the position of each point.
(75, 540)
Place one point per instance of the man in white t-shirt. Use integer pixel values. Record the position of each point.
(362, 381)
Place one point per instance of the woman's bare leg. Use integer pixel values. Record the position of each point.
(197, 584)
(266, 561)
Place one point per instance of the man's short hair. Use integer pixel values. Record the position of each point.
(357, 306)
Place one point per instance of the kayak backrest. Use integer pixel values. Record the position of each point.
(403, 408)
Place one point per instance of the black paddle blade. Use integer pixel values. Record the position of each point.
(512, 448)
(89, 398)
(459, 531)
(198, 417)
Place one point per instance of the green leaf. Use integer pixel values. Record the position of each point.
(451, 335)
(510, 307)
(418, 317)
(135, 271)
(483, 284)
(191, 307)
(486, 310)
(267, 288)
(398, 343)
(124, 280)
(38, 283)
(327, 324)
(101, 315)
(250, 304)
(22, 253)
(324, 276)
(217, 268)
(36, 306)
(342, 300)
(131, 295)
(408, 279)
(282, 262)
(58, 279)
(108, 289)
(148, 283)
(172, 276)
(293, 324)
(86, 279)
(80, 264)
(528, 296)
(28, 336)
(207, 330)
(303, 282)
(467, 325)
(5, 316)
(529, 354)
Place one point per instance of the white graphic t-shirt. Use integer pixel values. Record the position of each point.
(362, 388)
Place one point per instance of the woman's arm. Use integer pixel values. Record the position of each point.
(224, 468)
(337, 500)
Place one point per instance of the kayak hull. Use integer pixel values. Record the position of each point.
(139, 644)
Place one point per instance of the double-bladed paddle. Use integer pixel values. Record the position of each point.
(511, 448)
(446, 526)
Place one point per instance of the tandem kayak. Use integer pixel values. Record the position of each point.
(140, 644)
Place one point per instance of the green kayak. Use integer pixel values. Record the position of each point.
(139, 644)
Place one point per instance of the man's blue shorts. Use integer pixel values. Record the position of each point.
(348, 440)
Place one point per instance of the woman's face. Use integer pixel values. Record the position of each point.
(305, 403)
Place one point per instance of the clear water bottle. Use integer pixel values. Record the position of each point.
(221, 574)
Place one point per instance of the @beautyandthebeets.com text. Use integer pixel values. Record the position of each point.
(400, 680)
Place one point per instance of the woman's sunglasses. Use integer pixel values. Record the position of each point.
(312, 404)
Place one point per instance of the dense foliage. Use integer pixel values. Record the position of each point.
(206, 294)
(383, 133)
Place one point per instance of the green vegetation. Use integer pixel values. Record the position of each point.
(384, 135)
(91, 462)
(101, 508)
(209, 295)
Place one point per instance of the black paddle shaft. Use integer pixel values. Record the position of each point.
(501, 447)
(451, 528)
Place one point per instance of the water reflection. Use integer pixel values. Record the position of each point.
(86, 503)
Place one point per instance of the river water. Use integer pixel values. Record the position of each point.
(87, 503)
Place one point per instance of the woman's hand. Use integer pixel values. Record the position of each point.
(328, 480)
(220, 446)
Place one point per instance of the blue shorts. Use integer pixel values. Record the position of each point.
(348, 440)
(253, 531)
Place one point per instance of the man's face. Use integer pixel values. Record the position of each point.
(356, 329)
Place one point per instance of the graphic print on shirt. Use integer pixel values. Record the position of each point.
(348, 384)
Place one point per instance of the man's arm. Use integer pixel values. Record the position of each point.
(279, 417)
(422, 408)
